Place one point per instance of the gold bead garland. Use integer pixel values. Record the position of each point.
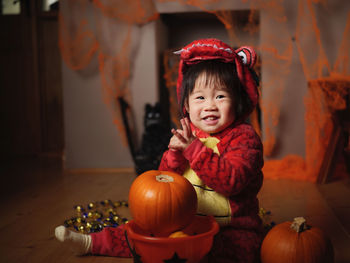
(95, 216)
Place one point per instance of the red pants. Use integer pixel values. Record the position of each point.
(230, 245)
(111, 242)
(236, 245)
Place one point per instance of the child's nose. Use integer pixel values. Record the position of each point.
(211, 105)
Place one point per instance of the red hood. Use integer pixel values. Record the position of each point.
(210, 49)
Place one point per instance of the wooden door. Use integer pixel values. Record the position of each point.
(30, 83)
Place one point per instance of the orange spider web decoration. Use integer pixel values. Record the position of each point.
(80, 41)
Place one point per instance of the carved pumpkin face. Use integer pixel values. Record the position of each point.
(162, 202)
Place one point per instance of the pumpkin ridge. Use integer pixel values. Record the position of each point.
(318, 240)
(172, 209)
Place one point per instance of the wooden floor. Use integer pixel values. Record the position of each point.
(36, 196)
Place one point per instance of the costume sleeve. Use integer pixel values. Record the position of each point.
(173, 161)
(240, 161)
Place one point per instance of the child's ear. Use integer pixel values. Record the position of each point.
(186, 106)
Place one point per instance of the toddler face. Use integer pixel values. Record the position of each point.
(210, 105)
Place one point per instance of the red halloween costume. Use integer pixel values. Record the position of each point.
(236, 174)
(232, 169)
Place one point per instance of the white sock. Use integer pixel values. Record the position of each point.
(79, 243)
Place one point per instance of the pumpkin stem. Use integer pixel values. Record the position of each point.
(299, 224)
(164, 178)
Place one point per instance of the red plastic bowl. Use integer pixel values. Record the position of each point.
(193, 248)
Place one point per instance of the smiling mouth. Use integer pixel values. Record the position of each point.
(210, 118)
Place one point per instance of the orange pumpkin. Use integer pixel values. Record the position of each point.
(162, 202)
(296, 242)
(178, 234)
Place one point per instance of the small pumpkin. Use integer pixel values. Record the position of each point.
(178, 234)
(162, 202)
(296, 242)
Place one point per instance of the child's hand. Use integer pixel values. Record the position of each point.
(182, 138)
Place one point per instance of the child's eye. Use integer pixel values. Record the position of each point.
(220, 96)
(200, 98)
